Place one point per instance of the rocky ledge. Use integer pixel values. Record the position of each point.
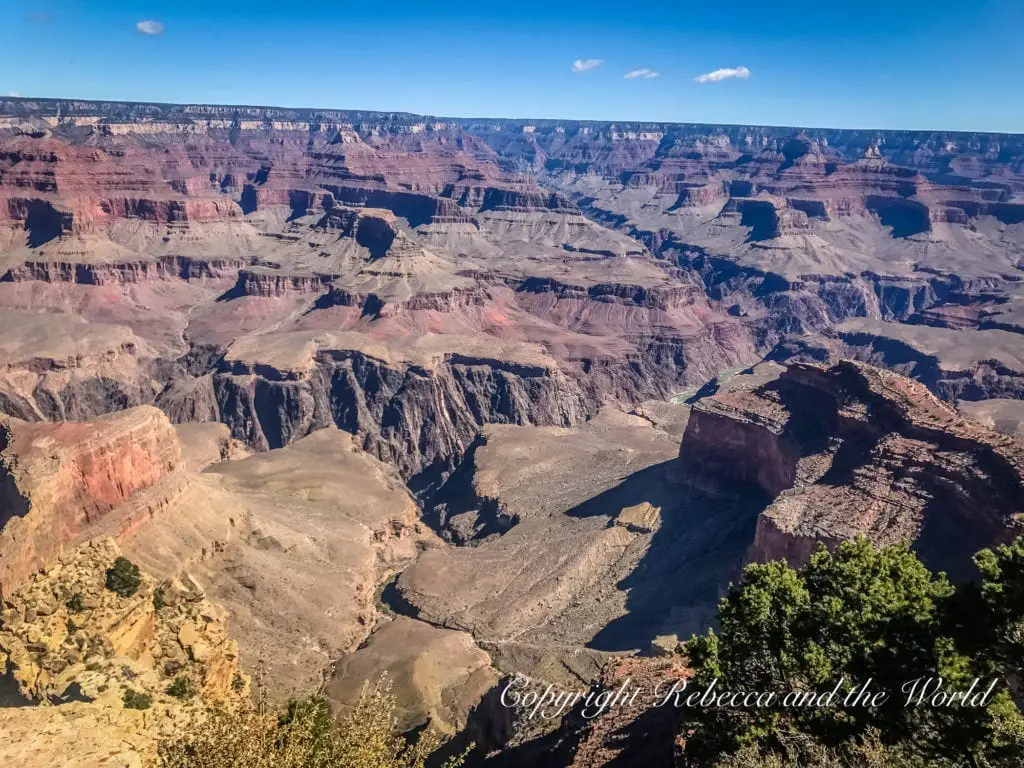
(851, 449)
(143, 665)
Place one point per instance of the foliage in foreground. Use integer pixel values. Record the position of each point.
(858, 615)
(867, 752)
(304, 735)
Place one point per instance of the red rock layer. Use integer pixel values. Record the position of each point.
(59, 480)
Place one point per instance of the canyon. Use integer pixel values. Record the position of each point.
(462, 399)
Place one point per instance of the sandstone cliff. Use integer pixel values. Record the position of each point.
(60, 481)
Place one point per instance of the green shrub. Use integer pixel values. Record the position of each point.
(998, 624)
(136, 700)
(158, 600)
(124, 577)
(181, 688)
(846, 618)
(74, 604)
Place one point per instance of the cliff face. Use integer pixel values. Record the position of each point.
(60, 480)
(120, 273)
(645, 258)
(415, 408)
(392, 232)
(849, 450)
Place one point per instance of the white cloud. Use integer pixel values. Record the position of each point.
(582, 65)
(645, 73)
(723, 74)
(150, 27)
(13, 94)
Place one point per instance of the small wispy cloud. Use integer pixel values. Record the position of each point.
(582, 65)
(150, 27)
(12, 94)
(644, 73)
(723, 74)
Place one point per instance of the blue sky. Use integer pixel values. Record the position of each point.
(897, 64)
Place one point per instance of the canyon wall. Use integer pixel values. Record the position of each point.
(855, 450)
(60, 480)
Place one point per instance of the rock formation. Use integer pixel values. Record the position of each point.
(62, 479)
(854, 450)
(719, 244)
(66, 639)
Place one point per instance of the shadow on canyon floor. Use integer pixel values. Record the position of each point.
(696, 551)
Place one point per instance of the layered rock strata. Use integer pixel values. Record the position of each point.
(61, 480)
(854, 450)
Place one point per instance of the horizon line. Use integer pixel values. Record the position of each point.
(525, 120)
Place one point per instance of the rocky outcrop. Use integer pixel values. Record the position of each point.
(418, 209)
(272, 283)
(67, 640)
(526, 201)
(694, 196)
(61, 480)
(169, 211)
(767, 218)
(855, 450)
(64, 631)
